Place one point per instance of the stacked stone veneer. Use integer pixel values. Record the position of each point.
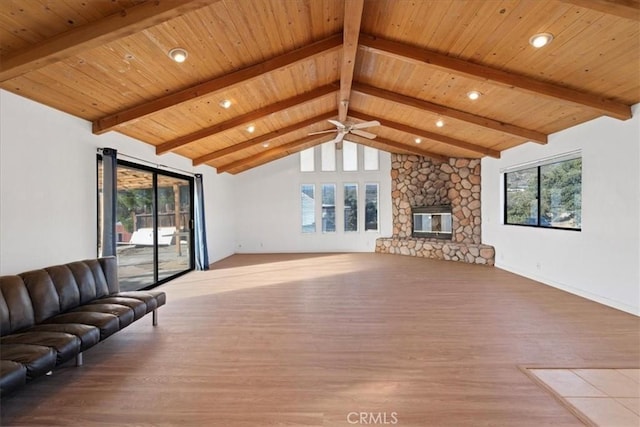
(419, 181)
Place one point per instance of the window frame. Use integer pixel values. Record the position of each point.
(377, 229)
(537, 166)
(302, 212)
(335, 207)
(356, 152)
(301, 162)
(344, 207)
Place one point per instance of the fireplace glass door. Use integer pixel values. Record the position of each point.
(433, 222)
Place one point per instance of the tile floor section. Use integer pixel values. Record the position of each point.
(606, 397)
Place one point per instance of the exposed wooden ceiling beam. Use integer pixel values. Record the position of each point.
(394, 146)
(485, 122)
(629, 9)
(245, 118)
(276, 152)
(214, 85)
(351, 30)
(443, 139)
(511, 80)
(94, 34)
(262, 138)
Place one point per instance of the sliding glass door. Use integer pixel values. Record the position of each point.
(154, 214)
(174, 225)
(135, 236)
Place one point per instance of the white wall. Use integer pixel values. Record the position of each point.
(48, 187)
(269, 213)
(602, 262)
(48, 203)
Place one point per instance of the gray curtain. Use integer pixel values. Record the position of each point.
(200, 234)
(109, 200)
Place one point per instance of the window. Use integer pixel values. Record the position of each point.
(349, 156)
(308, 205)
(371, 159)
(522, 197)
(328, 208)
(328, 156)
(547, 195)
(350, 207)
(307, 160)
(371, 207)
(340, 207)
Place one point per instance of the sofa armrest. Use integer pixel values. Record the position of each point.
(110, 269)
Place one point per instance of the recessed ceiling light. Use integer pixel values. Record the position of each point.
(178, 54)
(473, 95)
(440, 123)
(225, 103)
(418, 140)
(265, 145)
(251, 128)
(540, 39)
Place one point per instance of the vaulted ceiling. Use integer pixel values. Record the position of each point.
(288, 66)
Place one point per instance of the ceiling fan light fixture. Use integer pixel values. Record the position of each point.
(541, 39)
(251, 128)
(178, 54)
(225, 103)
(440, 123)
(473, 95)
(418, 140)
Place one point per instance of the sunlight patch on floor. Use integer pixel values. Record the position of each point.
(228, 279)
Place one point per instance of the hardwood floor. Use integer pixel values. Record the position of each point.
(311, 339)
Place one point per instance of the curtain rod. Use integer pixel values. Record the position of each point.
(157, 165)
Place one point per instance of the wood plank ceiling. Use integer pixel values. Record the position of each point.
(289, 65)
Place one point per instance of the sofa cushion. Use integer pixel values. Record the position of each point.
(153, 299)
(12, 376)
(16, 310)
(123, 313)
(67, 346)
(37, 359)
(84, 279)
(65, 285)
(89, 335)
(139, 307)
(108, 324)
(43, 293)
(99, 278)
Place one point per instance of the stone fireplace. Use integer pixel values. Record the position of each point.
(423, 186)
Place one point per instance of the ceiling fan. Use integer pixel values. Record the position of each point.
(344, 128)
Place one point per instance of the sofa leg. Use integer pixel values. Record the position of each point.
(155, 317)
(79, 359)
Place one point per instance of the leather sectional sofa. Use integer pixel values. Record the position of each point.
(52, 315)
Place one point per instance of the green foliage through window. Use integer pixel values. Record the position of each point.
(545, 196)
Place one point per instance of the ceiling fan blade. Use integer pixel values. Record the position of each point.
(368, 135)
(366, 124)
(323, 131)
(338, 138)
(337, 124)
